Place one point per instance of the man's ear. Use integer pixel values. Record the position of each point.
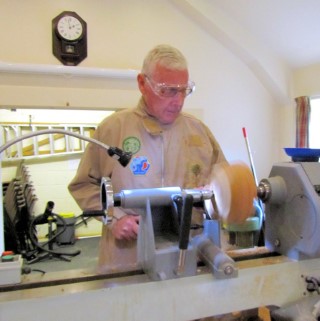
(141, 83)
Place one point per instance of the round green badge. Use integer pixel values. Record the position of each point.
(131, 144)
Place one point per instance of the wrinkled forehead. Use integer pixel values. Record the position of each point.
(162, 74)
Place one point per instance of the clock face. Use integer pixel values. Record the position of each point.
(69, 28)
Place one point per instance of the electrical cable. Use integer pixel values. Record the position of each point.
(42, 246)
(35, 241)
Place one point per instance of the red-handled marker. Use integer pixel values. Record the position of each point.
(250, 155)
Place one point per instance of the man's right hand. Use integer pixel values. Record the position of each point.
(126, 228)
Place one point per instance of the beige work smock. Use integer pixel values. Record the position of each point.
(180, 154)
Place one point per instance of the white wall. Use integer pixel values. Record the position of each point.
(239, 83)
(306, 81)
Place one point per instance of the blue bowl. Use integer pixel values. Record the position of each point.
(303, 154)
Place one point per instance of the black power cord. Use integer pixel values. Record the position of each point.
(48, 217)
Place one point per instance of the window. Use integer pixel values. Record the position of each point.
(19, 122)
(314, 123)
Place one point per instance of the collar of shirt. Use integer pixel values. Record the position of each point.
(151, 124)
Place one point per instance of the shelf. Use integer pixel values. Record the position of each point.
(17, 74)
(66, 71)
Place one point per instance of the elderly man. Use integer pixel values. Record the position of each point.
(169, 147)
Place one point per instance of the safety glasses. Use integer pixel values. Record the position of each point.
(164, 90)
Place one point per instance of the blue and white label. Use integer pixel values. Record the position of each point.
(139, 165)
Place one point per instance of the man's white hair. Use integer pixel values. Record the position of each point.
(166, 56)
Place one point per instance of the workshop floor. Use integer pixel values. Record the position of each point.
(86, 259)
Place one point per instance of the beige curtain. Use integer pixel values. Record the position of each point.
(302, 121)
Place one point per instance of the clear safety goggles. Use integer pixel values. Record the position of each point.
(165, 90)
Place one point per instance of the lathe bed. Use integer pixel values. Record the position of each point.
(131, 295)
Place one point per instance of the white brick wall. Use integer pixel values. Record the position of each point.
(52, 175)
(50, 178)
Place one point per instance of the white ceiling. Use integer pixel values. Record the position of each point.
(290, 28)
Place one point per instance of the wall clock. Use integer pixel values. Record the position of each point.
(69, 38)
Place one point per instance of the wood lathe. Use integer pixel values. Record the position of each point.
(282, 277)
